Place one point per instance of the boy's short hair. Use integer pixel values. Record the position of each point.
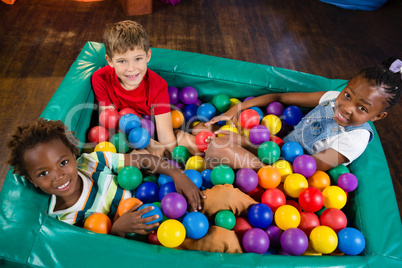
(28, 136)
(124, 36)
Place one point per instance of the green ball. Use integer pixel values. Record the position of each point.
(180, 154)
(129, 178)
(337, 171)
(119, 140)
(151, 178)
(269, 152)
(221, 103)
(225, 219)
(222, 174)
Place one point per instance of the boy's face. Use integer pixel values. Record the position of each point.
(52, 167)
(130, 67)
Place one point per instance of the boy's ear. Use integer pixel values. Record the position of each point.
(109, 60)
(148, 55)
(29, 178)
(379, 116)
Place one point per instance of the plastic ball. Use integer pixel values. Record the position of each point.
(351, 241)
(129, 178)
(171, 233)
(147, 192)
(275, 108)
(222, 174)
(127, 204)
(260, 215)
(286, 217)
(200, 138)
(294, 184)
(188, 95)
(98, 134)
(173, 95)
(139, 138)
(163, 179)
(337, 171)
(308, 221)
(206, 112)
(151, 178)
(228, 128)
(305, 165)
(98, 223)
(274, 234)
(225, 219)
(348, 182)
(105, 146)
(290, 150)
(241, 227)
(234, 101)
(153, 239)
(194, 176)
(120, 142)
(180, 154)
(294, 241)
(126, 110)
(206, 178)
(334, 218)
(334, 197)
(148, 125)
(311, 199)
(292, 115)
(109, 118)
(255, 241)
(284, 167)
(173, 205)
(259, 111)
(273, 123)
(221, 103)
(249, 118)
(246, 179)
(155, 211)
(190, 112)
(323, 239)
(177, 118)
(319, 180)
(269, 177)
(274, 198)
(269, 152)
(257, 193)
(196, 225)
(166, 189)
(196, 162)
(128, 122)
(259, 134)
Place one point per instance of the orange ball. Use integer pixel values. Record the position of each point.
(319, 180)
(127, 204)
(269, 177)
(98, 223)
(177, 118)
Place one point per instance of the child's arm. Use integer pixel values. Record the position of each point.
(328, 159)
(164, 129)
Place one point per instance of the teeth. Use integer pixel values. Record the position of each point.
(64, 185)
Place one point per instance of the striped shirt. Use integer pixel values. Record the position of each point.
(100, 193)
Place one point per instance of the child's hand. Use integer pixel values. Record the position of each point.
(132, 222)
(188, 189)
(231, 114)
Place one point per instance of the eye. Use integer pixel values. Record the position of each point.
(347, 96)
(121, 61)
(63, 163)
(43, 173)
(138, 59)
(363, 109)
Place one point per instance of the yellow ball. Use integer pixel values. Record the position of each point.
(294, 184)
(228, 127)
(273, 123)
(171, 233)
(334, 197)
(284, 167)
(105, 146)
(286, 217)
(323, 239)
(233, 102)
(245, 132)
(193, 124)
(196, 162)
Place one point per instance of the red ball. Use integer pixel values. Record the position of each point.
(241, 227)
(311, 199)
(274, 198)
(98, 134)
(308, 221)
(109, 118)
(294, 204)
(200, 139)
(153, 239)
(249, 118)
(334, 218)
(277, 140)
(257, 193)
(127, 110)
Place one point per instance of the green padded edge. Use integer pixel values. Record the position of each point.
(29, 238)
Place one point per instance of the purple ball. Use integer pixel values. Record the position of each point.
(275, 108)
(304, 165)
(173, 205)
(174, 163)
(173, 95)
(256, 240)
(246, 179)
(148, 125)
(294, 241)
(198, 102)
(249, 98)
(259, 134)
(274, 234)
(146, 116)
(188, 95)
(348, 182)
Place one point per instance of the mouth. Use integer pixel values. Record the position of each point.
(64, 187)
(341, 117)
(132, 77)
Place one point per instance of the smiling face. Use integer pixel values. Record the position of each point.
(52, 167)
(359, 102)
(130, 67)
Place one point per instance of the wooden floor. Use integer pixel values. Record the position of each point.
(40, 39)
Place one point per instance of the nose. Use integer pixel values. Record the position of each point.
(348, 108)
(131, 66)
(59, 174)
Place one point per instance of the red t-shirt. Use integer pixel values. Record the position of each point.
(151, 96)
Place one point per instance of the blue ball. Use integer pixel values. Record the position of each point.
(194, 176)
(206, 178)
(190, 112)
(290, 150)
(292, 115)
(147, 192)
(196, 225)
(165, 189)
(206, 112)
(351, 241)
(162, 179)
(259, 111)
(260, 215)
(128, 122)
(155, 211)
(139, 138)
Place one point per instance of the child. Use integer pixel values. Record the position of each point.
(127, 82)
(336, 131)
